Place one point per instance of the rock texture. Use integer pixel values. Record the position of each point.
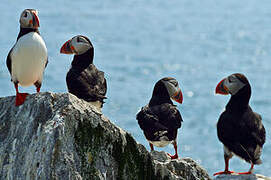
(242, 177)
(57, 136)
(186, 168)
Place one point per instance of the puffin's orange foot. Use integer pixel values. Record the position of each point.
(20, 98)
(173, 157)
(38, 89)
(224, 172)
(245, 172)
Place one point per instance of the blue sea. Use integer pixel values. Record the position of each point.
(137, 42)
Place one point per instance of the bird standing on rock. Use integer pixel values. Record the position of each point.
(27, 59)
(83, 79)
(160, 119)
(239, 128)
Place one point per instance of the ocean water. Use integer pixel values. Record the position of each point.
(138, 42)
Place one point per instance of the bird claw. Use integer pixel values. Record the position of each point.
(232, 172)
(224, 172)
(173, 156)
(245, 172)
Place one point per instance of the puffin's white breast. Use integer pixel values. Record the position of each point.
(28, 59)
(160, 143)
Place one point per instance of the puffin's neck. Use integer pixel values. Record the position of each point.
(160, 95)
(83, 60)
(240, 101)
(24, 31)
(156, 100)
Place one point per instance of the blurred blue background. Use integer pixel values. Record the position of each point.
(137, 42)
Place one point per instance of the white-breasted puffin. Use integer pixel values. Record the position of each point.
(239, 128)
(28, 58)
(83, 79)
(160, 119)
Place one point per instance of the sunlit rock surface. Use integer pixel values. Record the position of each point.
(242, 177)
(58, 136)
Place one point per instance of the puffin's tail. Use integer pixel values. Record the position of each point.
(253, 154)
(258, 161)
(257, 155)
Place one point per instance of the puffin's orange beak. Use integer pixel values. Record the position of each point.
(178, 97)
(35, 22)
(67, 48)
(221, 88)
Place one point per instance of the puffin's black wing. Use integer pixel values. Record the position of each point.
(88, 84)
(46, 63)
(242, 134)
(8, 61)
(160, 120)
(101, 84)
(168, 115)
(254, 123)
(148, 121)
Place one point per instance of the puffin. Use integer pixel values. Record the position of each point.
(83, 79)
(160, 119)
(239, 128)
(28, 58)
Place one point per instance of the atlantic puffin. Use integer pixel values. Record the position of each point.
(83, 79)
(28, 58)
(160, 119)
(239, 128)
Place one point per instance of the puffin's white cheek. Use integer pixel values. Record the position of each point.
(25, 22)
(81, 47)
(234, 88)
(171, 90)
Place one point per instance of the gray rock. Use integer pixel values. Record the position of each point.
(183, 169)
(242, 177)
(58, 136)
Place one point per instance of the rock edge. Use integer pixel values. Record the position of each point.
(58, 136)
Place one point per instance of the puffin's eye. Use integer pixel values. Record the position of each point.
(79, 39)
(175, 83)
(231, 79)
(25, 14)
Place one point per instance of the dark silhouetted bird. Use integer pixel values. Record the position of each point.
(239, 128)
(160, 119)
(83, 79)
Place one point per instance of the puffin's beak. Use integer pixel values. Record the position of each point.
(36, 22)
(178, 97)
(67, 48)
(221, 88)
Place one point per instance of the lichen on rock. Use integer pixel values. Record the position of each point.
(58, 136)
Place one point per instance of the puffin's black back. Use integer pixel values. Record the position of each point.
(84, 80)
(159, 115)
(163, 117)
(240, 129)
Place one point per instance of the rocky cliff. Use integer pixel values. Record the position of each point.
(242, 177)
(57, 136)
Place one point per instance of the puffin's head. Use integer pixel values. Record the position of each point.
(231, 84)
(77, 45)
(29, 19)
(172, 88)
